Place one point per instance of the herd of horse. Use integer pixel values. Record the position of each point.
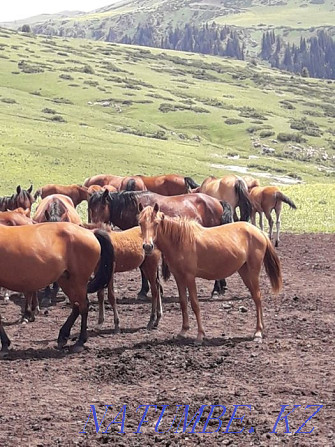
(191, 230)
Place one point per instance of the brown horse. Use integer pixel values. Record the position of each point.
(95, 188)
(133, 183)
(264, 200)
(57, 208)
(22, 199)
(15, 217)
(128, 255)
(104, 179)
(232, 189)
(12, 219)
(168, 185)
(28, 264)
(191, 251)
(121, 209)
(251, 182)
(77, 193)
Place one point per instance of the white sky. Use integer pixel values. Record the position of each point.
(21, 9)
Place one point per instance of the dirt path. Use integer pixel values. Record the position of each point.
(46, 394)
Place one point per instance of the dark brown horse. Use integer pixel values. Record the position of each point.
(121, 209)
(22, 199)
(192, 251)
(27, 264)
(77, 193)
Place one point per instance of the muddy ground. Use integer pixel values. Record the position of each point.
(46, 394)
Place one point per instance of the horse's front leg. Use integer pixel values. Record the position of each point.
(151, 272)
(143, 293)
(5, 342)
(192, 288)
(183, 305)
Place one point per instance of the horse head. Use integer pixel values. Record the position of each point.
(149, 219)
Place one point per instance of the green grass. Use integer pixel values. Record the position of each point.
(109, 120)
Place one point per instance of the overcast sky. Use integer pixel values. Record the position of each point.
(21, 9)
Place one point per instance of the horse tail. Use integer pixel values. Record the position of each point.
(38, 193)
(272, 267)
(131, 184)
(285, 199)
(107, 257)
(190, 183)
(165, 270)
(227, 215)
(243, 199)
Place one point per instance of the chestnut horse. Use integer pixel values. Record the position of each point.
(134, 183)
(95, 188)
(104, 179)
(167, 185)
(264, 200)
(15, 218)
(28, 264)
(251, 182)
(77, 193)
(232, 189)
(57, 208)
(22, 199)
(121, 209)
(128, 255)
(192, 251)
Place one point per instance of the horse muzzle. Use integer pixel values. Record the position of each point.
(148, 248)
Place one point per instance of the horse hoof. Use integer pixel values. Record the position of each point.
(77, 348)
(61, 344)
(6, 299)
(98, 328)
(181, 336)
(150, 325)
(142, 297)
(117, 330)
(4, 354)
(24, 320)
(258, 339)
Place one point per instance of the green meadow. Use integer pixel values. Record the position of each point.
(70, 109)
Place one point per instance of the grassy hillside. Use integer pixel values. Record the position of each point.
(72, 108)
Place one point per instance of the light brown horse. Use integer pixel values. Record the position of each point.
(57, 208)
(22, 199)
(77, 193)
(128, 255)
(264, 200)
(232, 189)
(27, 264)
(191, 251)
(168, 185)
(15, 218)
(95, 188)
(133, 183)
(251, 182)
(104, 179)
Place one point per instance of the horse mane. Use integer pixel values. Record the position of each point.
(180, 230)
(120, 201)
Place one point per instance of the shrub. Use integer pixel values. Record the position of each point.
(51, 111)
(58, 118)
(266, 133)
(66, 77)
(88, 69)
(232, 121)
(8, 100)
(284, 137)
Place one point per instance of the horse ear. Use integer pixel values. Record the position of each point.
(47, 215)
(140, 207)
(105, 194)
(156, 207)
(30, 189)
(18, 189)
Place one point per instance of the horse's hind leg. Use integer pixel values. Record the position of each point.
(5, 342)
(30, 303)
(278, 208)
(250, 277)
(143, 293)
(101, 302)
(112, 300)
(270, 220)
(261, 224)
(65, 330)
(220, 287)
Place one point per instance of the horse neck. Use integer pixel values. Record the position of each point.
(174, 235)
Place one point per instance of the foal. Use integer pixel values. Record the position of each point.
(191, 251)
(264, 200)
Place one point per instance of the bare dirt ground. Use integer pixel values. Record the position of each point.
(46, 394)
